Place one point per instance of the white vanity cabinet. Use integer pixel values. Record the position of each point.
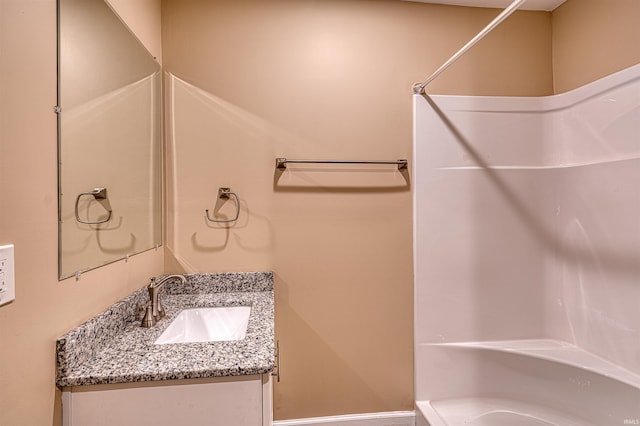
(112, 372)
(224, 401)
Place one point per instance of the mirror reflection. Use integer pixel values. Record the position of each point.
(109, 139)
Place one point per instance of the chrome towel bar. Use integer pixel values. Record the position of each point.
(281, 163)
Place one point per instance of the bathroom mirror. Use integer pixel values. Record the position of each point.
(109, 139)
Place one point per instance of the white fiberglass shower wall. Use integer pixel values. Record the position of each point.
(527, 257)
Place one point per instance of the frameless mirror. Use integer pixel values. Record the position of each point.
(109, 139)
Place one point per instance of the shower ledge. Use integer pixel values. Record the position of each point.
(558, 351)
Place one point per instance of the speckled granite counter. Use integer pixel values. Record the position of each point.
(113, 348)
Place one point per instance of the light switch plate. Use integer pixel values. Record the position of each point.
(7, 278)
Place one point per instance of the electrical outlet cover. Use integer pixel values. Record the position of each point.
(7, 279)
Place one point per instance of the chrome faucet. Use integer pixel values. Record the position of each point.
(155, 311)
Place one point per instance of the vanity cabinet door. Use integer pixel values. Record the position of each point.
(234, 401)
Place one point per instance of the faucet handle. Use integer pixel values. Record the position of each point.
(160, 311)
(148, 320)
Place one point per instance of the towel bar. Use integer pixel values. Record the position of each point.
(281, 163)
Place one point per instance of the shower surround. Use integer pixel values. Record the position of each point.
(527, 257)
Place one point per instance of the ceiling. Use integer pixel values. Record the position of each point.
(547, 5)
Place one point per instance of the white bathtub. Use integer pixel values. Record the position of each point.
(523, 383)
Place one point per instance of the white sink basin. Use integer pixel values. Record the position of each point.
(216, 324)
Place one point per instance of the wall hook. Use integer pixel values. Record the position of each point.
(224, 194)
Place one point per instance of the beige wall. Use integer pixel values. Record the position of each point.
(322, 79)
(143, 18)
(44, 308)
(592, 39)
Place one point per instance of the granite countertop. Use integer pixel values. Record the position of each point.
(113, 348)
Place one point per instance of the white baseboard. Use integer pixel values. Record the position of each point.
(394, 418)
